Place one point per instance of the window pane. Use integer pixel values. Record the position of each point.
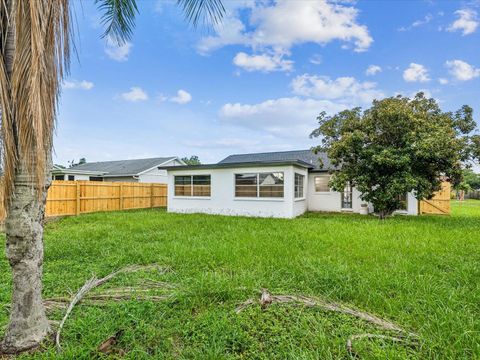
(271, 184)
(201, 180)
(321, 183)
(299, 181)
(183, 180)
(246, 185)
(201, 185)
(183, 186)
(246, 179)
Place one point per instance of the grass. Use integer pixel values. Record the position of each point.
(420, 272)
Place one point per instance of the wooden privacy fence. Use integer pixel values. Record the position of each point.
(439, 203)
(78, 197)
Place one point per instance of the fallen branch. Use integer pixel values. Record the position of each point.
(401, 335)
(267, 299)
(92, 284)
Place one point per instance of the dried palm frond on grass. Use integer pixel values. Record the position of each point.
(401, 335)
(117, 294)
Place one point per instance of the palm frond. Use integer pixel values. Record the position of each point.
(202, 11)
(118, 18)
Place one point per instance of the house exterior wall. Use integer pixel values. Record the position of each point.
(82, 177)
(332, 200)
(223, 201)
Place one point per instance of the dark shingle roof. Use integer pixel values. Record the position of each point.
(123, 167)
(307, 156)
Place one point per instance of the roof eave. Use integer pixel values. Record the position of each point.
(71, 171)
(239, 165)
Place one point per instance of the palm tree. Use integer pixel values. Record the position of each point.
(34, 57)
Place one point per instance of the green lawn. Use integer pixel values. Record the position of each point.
(421, 272)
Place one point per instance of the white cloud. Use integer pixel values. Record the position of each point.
(288, 117)
(373, 70)
(117, 52)
(263, 62)
(135, 94)
(344, 89)
(443, 81)
(231, 31)
(316, 59)
(416, 73)
(182, 97)
(467, 22)
(74, 84)
(461, 70)
(417, 23)
(285, 23)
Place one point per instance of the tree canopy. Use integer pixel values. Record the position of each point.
(192, 160)
(398, 145)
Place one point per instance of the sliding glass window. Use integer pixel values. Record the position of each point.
(263, 185)
(193, 185)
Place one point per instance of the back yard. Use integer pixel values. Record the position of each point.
(422, 273)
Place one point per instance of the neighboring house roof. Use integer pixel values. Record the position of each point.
(122, 167)
(319, 161)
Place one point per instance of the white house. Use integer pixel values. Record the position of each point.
(277, 184)
(136, 170)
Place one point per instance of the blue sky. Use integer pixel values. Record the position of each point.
(256, 82)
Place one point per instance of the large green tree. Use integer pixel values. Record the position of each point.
(34, 57)
(471, 178)
(396, 146)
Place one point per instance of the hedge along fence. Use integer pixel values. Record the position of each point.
(79, 197)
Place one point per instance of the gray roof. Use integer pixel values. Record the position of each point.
(239, 165)
(123, 167)
(306, 156)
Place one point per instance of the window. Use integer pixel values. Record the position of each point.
(265, 185)
(321, 183)
(95, 178)
(347, 197)
(59, 177)
(192, 185)
(71, 177)
(201, 185)
(299, 181)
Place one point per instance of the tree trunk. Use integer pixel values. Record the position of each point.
(28, 324)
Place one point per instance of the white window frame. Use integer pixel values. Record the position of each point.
(191, 187)
(315, 184)
(258, 197)
(303, 177)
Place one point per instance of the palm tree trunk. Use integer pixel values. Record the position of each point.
(28, 324)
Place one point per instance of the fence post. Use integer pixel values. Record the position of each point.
(121, 196)
(77, 211)
(151, 195)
